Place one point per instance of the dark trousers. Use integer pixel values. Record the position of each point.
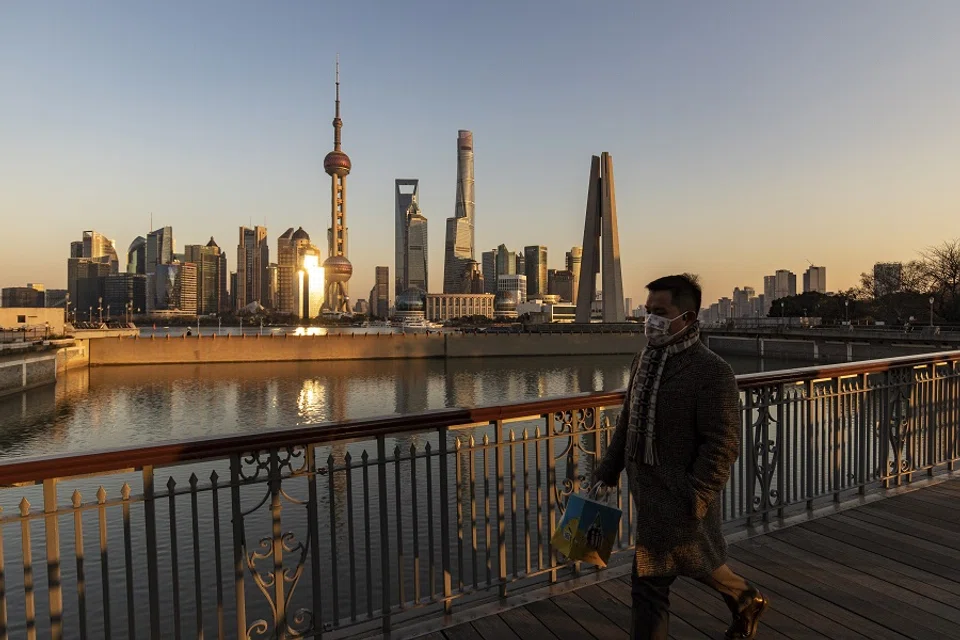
(651, 600)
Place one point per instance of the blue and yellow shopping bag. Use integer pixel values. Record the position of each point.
(588, 529)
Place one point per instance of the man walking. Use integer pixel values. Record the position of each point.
(678, 435)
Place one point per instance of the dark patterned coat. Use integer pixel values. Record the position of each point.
(697, 439)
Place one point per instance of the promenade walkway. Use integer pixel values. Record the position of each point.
(889, 569)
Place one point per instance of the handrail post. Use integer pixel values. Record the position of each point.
(384, 533)
(238, 543)
(52, 530)
(153, 572)
(445, 522)
(501, 522)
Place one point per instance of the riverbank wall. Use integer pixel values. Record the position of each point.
(827, 350)
(290, 348)
(39, 365)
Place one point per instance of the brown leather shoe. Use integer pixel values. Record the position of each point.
(745, 623)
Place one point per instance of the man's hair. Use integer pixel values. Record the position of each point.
(684, 290)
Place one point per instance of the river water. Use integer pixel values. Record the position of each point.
(110, 407)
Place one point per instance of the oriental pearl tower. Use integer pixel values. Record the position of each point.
(337, 268)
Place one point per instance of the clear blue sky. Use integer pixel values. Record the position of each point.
(747, 136)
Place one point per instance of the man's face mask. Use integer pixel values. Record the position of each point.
(658, 327)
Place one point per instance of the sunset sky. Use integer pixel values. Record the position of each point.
(747, 136)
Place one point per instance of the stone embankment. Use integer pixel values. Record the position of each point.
(290, 348)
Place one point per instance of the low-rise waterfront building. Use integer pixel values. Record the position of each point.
(447, 306)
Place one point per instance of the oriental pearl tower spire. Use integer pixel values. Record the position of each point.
(337, 268)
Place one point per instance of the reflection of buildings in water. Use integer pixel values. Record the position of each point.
(35, 419)
(534, 383)
(460, 386)
(410, 382)
(312, 401)
(336, 390)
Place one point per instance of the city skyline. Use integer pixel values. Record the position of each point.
(772, 125)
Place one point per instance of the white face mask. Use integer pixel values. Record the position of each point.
(658, 327)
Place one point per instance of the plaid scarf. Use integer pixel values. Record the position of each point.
(643, 392)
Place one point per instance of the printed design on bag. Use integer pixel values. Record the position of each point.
(595, 537)
(570, 528)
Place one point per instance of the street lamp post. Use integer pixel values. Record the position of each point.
(931, 311)
(91, 313)
(846, 311)
(108, 313)
(66, 308)
(100, 308)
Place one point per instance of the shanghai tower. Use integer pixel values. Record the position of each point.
(458, 248)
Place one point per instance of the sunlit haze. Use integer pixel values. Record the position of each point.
(746, 136)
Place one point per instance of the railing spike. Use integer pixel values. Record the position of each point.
(125, 490)
(413, 450)
(486, 439)
(364, 456)
(513, 437)
(524, 435)
(101, 495)
(24, 506)
(473, 442)
(194, 480)
(347, 458)
(428, 448)
(171, 484)
(214, 476)
(77, 499)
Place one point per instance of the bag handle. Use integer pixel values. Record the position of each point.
(594, 492)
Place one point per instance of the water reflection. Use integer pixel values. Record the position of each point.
(111, 407)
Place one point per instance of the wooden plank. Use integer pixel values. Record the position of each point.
(923, 517)
(917, 580)
(849, 594)
(932, 550)
(436, 635)
(680, 629)
(697, 617)
(462, 632)
(525, 624)
(588, 617)
(902, 554)
(940, 509)
(809, 595)
(773, 623)
(608, 605)
(919, 607)
(557, 621)
(494, 628)
(907, 526)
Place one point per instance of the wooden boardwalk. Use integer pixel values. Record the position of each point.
(889, 569)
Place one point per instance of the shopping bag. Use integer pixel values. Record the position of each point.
(588, 529)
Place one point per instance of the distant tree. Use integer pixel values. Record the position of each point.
(940, 266)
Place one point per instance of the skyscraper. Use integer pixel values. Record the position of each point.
(309, 291)
(253, 259)
(406, 191)
(92, 257)
(290, 247)
(489, 268)
(601, 240)
(381, 299)
(785, 284)
(535, 268)
(506, 261)
(459, 244)
(815, 279)
(137, 256)
(160, 248)
(175, 288)
(337, 268)
(210, 279)
(573, 259)
(415, 258)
